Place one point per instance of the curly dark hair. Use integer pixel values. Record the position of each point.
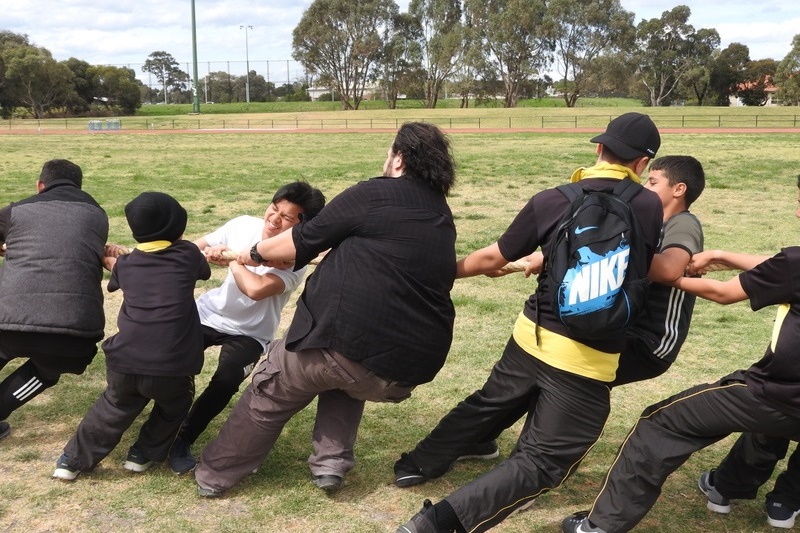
(426, 155)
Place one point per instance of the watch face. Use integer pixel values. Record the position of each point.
(254, 255)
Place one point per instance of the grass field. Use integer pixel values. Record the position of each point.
(748, 205)
(288, 116)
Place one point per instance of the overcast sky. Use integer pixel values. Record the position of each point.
(125, 33)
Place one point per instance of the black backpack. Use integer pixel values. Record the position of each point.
(597, 268)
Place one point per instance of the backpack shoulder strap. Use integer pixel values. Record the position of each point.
(572, 191)
(626, 189)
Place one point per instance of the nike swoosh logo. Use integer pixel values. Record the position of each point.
(580, 230)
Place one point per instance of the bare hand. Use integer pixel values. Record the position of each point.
(244, 258)
(535, 263)
(114, 250)
(280, 265)
(704, 262)
(531, 264)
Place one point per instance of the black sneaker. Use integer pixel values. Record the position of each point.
(136, 461)
(406, 473)
(780, 515)
(5, 429)
(716, 501)
(481, 450)
(420, 523)
(180, 457)
(579, 523)
(65, 469)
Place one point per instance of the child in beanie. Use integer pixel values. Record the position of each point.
(158, 349)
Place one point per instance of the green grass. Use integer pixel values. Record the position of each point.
(153, 110)
(322, 116)
(748, 205)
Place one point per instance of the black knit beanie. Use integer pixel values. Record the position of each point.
(155, 216)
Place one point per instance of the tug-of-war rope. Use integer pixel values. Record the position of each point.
(508, 268)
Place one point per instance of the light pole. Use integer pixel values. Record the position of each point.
(195, 96)
(247, 61)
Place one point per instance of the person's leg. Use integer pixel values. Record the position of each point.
(787, 486)
(172, 397)
(49, 356)
(107, 420)
(667, 434)
(637, 363)
(282, 385)
(748, 465)
(5, 357)
(335, 430)
(483, 415)
(567, 419)
(237, 357)
(21, 386)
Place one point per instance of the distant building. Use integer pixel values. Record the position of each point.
(769, 90)
(371, 92)
(316, 92)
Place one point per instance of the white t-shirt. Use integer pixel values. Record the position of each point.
(226, 308)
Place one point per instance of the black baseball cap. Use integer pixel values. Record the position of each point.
(630, 136)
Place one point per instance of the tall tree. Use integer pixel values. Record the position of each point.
(697, 79)
(35, 80)
(585, 29)
(442, 42)
(517, 37)
(341, 40)
(117, 88)
(8, 40)
(759, 78)
(218, 87)
(401, 60)
(85, 84)
(667, 48)
(471, 63)
(729, 72)
(787, 75)
(167, 71)
(610, 75)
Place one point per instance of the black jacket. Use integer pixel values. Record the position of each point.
(50, 277)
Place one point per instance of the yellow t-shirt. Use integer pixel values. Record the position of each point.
(565, 353)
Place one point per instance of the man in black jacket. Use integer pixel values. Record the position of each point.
(356, 333)
(51, 302)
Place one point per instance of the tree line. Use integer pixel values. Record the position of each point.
(502, 48)
(31, 79)
(218, 86)
(477, 50)
(33, 83)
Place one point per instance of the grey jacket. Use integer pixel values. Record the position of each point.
(50, 277)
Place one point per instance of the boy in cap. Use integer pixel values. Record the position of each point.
(762, 401)
(562, 382)
(158, 349)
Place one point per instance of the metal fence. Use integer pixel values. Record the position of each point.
(209, 123)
